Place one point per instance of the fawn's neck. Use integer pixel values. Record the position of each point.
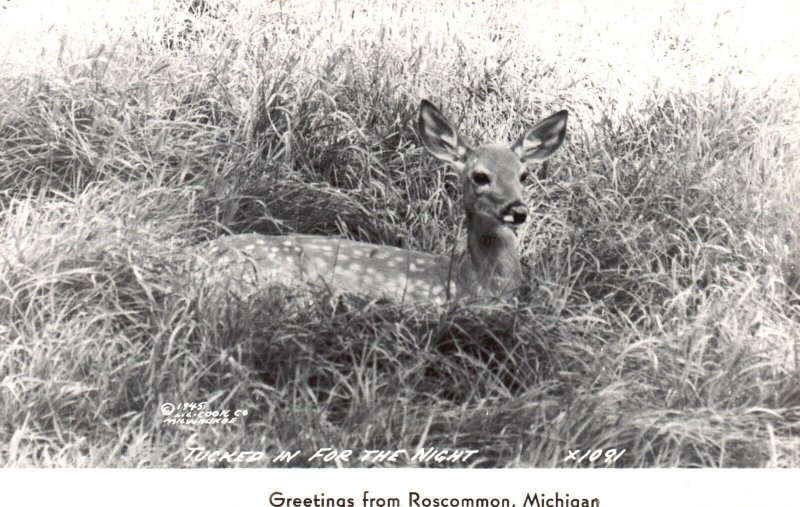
(491, 264)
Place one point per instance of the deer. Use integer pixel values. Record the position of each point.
(492, 179)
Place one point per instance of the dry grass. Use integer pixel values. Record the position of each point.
(659, 318)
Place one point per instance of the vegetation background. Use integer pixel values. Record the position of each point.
(660, 317)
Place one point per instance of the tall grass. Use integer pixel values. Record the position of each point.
(658, 317)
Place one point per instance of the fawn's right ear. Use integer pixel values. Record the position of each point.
(440, 137)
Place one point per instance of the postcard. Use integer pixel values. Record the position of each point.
(400, 254)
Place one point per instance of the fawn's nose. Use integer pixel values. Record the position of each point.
(515, 213)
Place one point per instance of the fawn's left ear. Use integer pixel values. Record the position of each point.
(440, 137)
(543, 139)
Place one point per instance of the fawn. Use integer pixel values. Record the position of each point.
(492, 178)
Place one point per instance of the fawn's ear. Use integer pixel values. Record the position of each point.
(541, 140)
(439, 137)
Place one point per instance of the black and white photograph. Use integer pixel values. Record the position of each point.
(399, 234)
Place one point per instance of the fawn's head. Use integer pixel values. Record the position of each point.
(492, 176)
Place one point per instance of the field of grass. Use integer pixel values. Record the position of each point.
(659, 314)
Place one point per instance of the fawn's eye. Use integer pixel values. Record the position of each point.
(523, 177)
(480, 178)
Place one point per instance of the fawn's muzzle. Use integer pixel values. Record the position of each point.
(514, 214)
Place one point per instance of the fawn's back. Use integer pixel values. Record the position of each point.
(253, 261)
